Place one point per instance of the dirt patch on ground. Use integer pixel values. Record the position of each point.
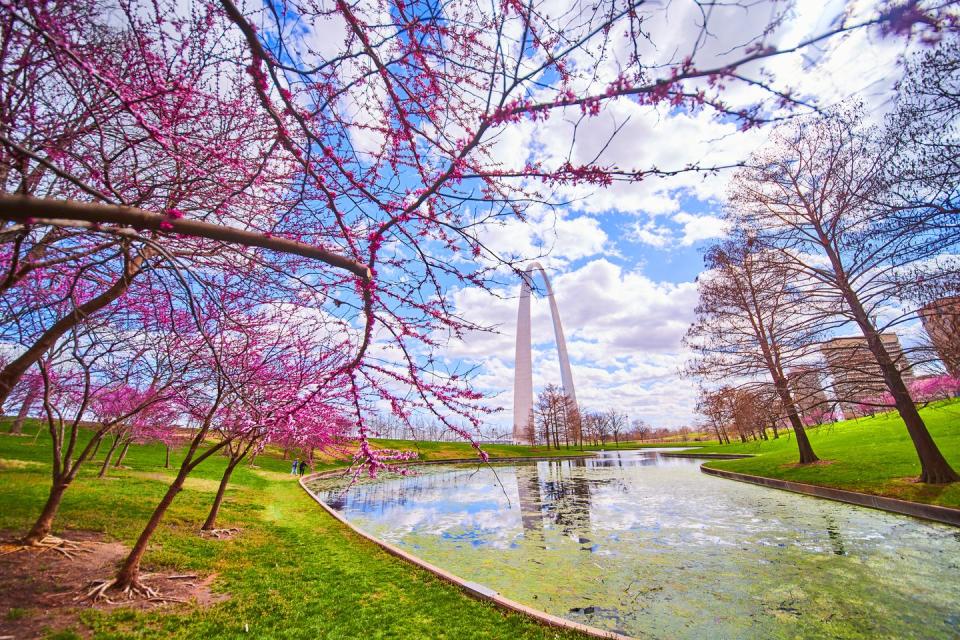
(42, 590)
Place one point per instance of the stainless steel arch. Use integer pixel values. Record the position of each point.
(523, 365)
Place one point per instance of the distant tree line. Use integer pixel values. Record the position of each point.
(557, 422)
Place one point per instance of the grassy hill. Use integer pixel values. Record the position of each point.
(872, 455)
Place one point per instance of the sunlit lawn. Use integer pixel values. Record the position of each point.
(873, 455)
(294, 572)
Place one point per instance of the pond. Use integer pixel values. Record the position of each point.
(647, 545)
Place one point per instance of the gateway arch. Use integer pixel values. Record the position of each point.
(523, 366)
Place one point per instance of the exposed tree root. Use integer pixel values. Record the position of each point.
(219, 533)
(68, 548)
(162, 599)
(136, 589)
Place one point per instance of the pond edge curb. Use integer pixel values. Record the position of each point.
(936, 513)
(472, 589)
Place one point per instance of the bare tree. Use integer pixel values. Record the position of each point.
(749, 414)
(924, 173)
(618, 422)
(597, 427)
(713, 406)
(641, 429)
(751, 322)
(922, 134)
(819, 198)
(550, 416)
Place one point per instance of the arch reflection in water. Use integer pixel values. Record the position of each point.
(650, 546)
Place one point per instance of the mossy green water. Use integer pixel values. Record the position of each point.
(667, 552)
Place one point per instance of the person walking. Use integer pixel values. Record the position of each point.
(303, 467)
(295, 466)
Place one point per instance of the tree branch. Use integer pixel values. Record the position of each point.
(29, 210)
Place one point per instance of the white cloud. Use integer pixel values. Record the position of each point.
(651, 234)
(623, 333)
(555, 237)
(697, 228)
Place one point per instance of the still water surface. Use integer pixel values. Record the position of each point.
(649, 546)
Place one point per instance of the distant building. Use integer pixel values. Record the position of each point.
(856, 375)
(941, 319)
(806, 387)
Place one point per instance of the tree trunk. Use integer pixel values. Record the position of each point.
(41, 528)
(17, 426)
(123, 453)
(934, 468)
(129, 574)
(211, 521)
(106, 460)
(776, 434)
(803, 443)
(96, 448)
(166, 464)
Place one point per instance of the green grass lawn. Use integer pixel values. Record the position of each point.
(294, 572)
(872, 455)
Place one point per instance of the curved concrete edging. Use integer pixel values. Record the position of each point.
(711, 456)
(572, 456)
(936, 513)
(473, 589)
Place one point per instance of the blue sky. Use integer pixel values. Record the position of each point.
(623, 260)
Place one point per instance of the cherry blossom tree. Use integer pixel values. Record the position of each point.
(193, 162)
(934, 388)
(80, 370)
(272, 377)
(138, 415)
(256, 374)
